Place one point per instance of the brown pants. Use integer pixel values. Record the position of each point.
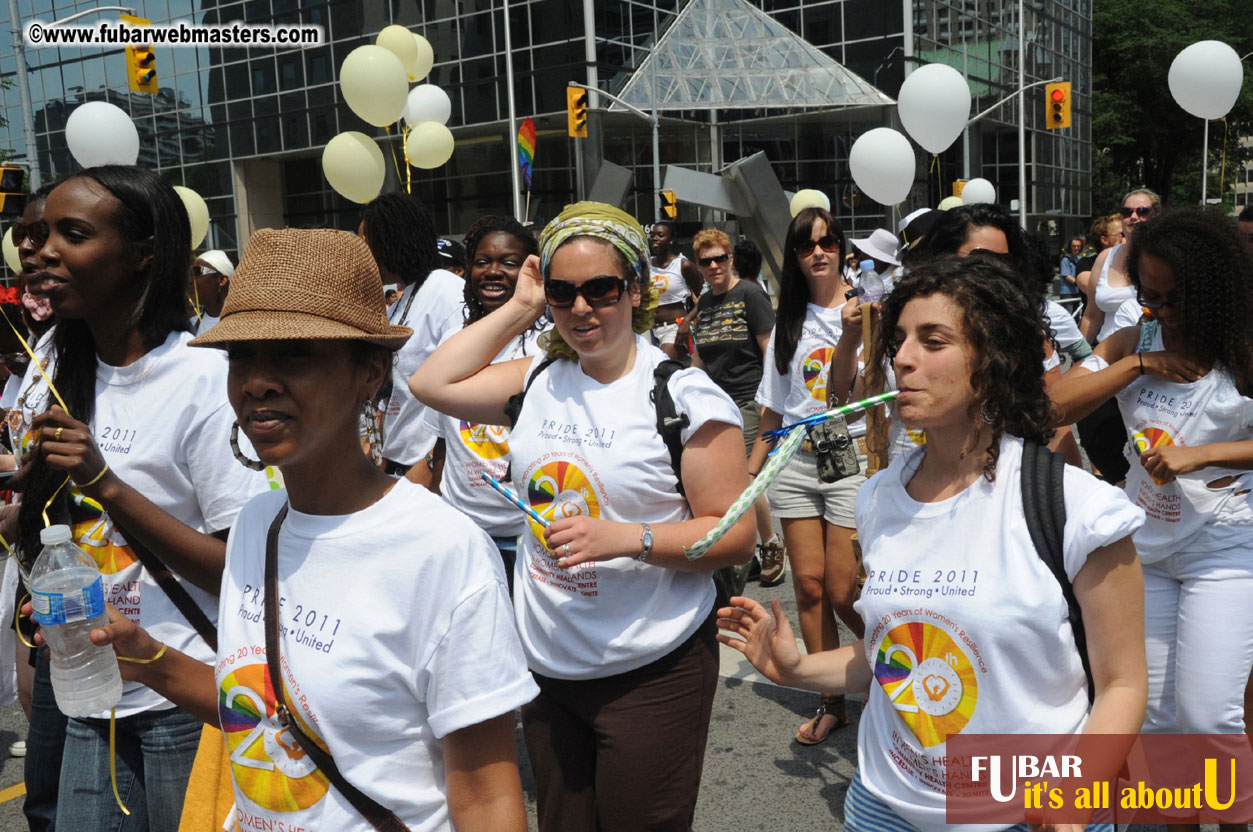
(625, 752)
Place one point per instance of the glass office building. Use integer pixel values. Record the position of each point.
(245, 127)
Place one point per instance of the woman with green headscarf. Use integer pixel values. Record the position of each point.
(616, 622)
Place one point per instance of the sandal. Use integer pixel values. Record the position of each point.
(827, 707)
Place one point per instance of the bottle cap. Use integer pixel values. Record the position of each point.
(866, 265)
(55, 534)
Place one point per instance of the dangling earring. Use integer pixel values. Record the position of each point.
(254, 464)
(985, 414)
(371, 415)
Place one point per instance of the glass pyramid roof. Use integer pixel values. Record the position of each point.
(728, 54)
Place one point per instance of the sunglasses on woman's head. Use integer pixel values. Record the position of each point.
(603, 290)
(826, 242)
(706, 262)
(1141, 212)
(37, 232)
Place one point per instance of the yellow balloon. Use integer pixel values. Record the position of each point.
(949, 202)
(354, 166)
(426, 58)
(429, 145)
(11, 258)
(809, 198)
(374, 84)
(197, 212)
(399, 41)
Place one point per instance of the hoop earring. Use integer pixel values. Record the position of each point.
(254, 464)
(985, 414)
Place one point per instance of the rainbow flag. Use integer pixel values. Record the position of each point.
(526, 150)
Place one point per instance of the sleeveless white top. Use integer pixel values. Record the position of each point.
(1109, 298)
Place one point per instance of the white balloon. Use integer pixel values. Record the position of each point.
(978, 190)
(427, 102)
(99, 133)
(882, 163)
(934, 105)
(809, 198)
(1205, 78)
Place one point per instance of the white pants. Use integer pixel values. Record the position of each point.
(1198, 609)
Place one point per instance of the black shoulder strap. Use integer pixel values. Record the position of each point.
(513, 407)
(377, 815)
(670, 422)
(173, 590)
(1043, 502)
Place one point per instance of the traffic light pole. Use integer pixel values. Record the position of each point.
(653, 120)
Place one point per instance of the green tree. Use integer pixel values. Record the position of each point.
(1140, 136)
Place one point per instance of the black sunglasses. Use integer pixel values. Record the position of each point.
(1154, 306)
(826, 242)
(37, 232)
(706, 262)
(1141, 212)
(603, 290)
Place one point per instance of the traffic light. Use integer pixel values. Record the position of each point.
(141, 62)
(669, 204)
(576, 112)
(1058, 98)
(12, 197)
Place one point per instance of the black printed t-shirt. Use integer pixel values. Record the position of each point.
(725, 329)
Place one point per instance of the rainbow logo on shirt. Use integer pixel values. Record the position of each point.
(268, 765)
(661, 282)
(97, 537)
(928, 679)
(487, 441)
(814, 370)
(560, 489)
(1151, 438)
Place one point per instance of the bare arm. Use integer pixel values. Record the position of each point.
(484, 789)
(713, 476)
(770, 420)
(1110, 591)
(766, 639)
(459, 378)
(1093, 317)
(692, 277)
(843, 373)
(198, 557)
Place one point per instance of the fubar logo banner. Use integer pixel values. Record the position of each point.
(1099, 778)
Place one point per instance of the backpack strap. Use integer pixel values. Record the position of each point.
(1043, 502)
(513, 407)
(670, 422)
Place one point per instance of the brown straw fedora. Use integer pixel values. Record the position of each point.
(305, 284)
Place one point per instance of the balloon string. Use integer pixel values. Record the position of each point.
(939, 175)
(113, 759)
(404, 147)
(38, 366)
(1222, 176)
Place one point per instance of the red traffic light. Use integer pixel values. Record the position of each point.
(1058, 95)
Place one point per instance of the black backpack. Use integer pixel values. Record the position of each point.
(1043, 502)
(728, 580)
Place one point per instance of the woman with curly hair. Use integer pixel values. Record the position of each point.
(953, 579)
(1183, 382)
(817, 517)
(496, 247)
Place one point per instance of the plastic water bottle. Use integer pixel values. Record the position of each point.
(67, 594)
(871, 283)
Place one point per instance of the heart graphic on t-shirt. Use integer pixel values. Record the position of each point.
(935, 686)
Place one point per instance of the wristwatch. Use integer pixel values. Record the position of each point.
(646, 543)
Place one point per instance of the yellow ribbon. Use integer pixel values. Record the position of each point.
(38, 366)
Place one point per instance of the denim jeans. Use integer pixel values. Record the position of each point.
(44, 742)
(155, 751)
(508, 548)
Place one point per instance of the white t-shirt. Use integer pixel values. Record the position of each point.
(803, 391)
(203, 323)
(1065, 330)
(1127, 315)
(582, 447)
(437, 308)
(396, 632)
(966, 627)
(471, 450)
(1186, 514)
(669, 282)
(163, 424)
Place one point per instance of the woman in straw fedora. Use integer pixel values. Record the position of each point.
(398, 653)
(614, 618)
(150, 475)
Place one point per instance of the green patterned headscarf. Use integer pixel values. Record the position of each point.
(613, 225)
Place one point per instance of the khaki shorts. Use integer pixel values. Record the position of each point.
(665, 334)
(751, 414)
(797, 493)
